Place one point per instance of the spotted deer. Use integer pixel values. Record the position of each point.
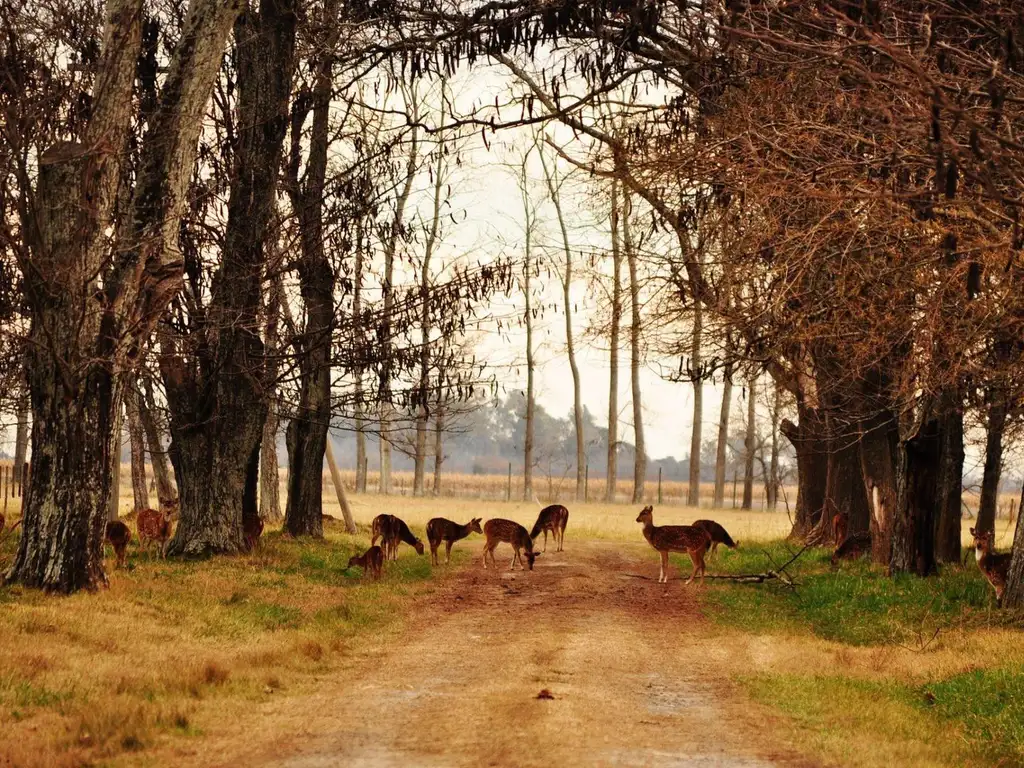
(499, 530)
(371, 561)
(994, 565)
(554, 519)
(154, 526)
(441, 529)
(675, 538)
(393, 531)
(716, 535)
(119, 536)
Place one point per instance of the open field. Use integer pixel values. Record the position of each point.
(172, 662)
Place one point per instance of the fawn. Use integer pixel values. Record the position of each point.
(440, 529)
(252, 529)
(716, 534)
(371, 561)
(554, 519)
(393, 530)
(852, 547)
(154, 526)
(675, 538)
(840, 523)
(119, 535)
(994, 565)
(497, 531)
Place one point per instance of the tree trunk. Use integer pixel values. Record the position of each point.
(917, 481)
(136, 436)
(1014, 595)
(114, 501)
(216, 389)
(21, 441)
(750, 445)
(723, 429)
(438, 444)
(640, 457)
(528, 220)
(166, 493)
(989, 502)
(357, 332)
(270, 481)
(879, 450)
(339, 488)
(948, 518)
(307, 432)
(570, 345)
(612, 475)
(774, 481)
(808, 440)
(844, 485)
(693, 488)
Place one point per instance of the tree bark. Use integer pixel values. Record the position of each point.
(640, 458)
(750, 444)
(114, 502)
(994, 429)
(774, 481)
(21, 441)
(1013, 597)
(307, 432)
(216, 392)
(570, 345)
(357, 332)
(136, 436)
(808, 440)
(723, 428)
(612, 477)
(693, 488)
(917, 481)
(270, 481)
(438, 444)
(166, 493)
(948, 518)
(879, 452)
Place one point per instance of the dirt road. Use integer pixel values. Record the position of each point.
(626, 660)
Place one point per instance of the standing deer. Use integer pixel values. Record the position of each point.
(154, 526)
(716, 534)
(371, 561)
(553, 518)
(674, 538)
(440, 529)
(119, 536)
(252, 529)
(994, 565)
(393, 530)
(499, 530)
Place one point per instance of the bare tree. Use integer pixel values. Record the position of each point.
(613, 352)
(750, 443)
(137, 441)
(723, 423)
(640, 459)
(693, 490)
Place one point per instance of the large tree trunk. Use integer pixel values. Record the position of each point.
(612, 476)
(723, 429)
(137, 441)
(917, 481)
(166, 493)
(879, 449)
(306, 436)
(948, 518)
(21, 441)
(845, 492)
(808, 440)
(216, 391)
(693, 488)
(270, 482)
(570, 344)
(640, 459)
(994, 429)
(1014, 595)
(750, 444)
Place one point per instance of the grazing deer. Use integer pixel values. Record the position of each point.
(675, 538)
(497, 531)
(393, 530)
(154, 526)
(840, 523)
(554, 519)
(995, 565)
(852, 547)
(440, 529)
(119, 536)
(371, 561)
(252, 529)
(716, 534)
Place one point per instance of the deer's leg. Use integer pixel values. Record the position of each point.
(662, 575)
(448, 552)
(515, 556)
(545, 540)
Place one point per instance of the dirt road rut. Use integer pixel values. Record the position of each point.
(627, 661)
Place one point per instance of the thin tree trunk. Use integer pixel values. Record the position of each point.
(438, 444)
(339, 488)
(723, 426)
(693, 489)
(528, 223)
(21, 440)
(774, 481)
(357, 312)
(136, 436)
(217, 407)
(570, 345)
(270, 481)
(989, 502)
(640, 457)
(750, 444)
(114, 505)
(166, 494)
(612, 476)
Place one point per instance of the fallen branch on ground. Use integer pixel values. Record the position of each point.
(778, 573)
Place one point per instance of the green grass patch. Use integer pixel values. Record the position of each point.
(856, 604)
